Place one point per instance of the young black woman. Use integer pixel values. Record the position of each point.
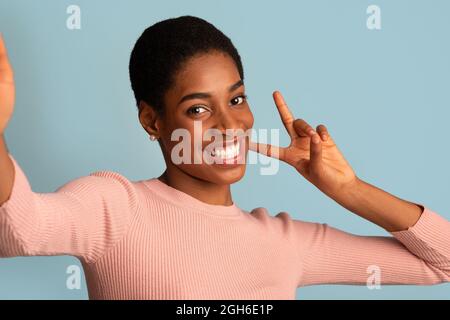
(180, 235)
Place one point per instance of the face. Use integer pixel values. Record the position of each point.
(207, 96)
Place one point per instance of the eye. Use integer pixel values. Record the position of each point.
(195, 110)
(239, 99)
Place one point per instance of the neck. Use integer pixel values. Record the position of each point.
(205, 191)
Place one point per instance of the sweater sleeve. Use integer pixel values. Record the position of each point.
(83, 217)
(419, 255)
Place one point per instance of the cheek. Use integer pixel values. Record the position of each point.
(248, 118)
(179, 130)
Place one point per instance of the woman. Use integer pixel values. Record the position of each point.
(181, 236)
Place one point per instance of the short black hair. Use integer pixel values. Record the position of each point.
(161, 50)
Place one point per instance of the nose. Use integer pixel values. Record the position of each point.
(228, 120)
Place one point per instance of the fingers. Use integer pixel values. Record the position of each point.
(286, 116)
(321, 135)
(6, 74)
(267, 150)
(303, 129)
(315, 152)
(323, 132)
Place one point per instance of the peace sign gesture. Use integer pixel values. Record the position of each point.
(312, 152)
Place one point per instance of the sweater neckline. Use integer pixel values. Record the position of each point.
(184, 200)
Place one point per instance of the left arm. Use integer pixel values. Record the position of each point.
(419, 255)
(423, 236)
(314, 154)
(378, 206)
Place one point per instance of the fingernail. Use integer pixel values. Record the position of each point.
(324, 137)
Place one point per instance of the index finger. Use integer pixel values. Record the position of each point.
(286, 116)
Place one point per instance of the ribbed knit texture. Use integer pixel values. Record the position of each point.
(146, 240)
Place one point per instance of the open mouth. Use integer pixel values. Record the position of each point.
(230, 152)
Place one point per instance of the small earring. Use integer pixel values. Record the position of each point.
(152, 137)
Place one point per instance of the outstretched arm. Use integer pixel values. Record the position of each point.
(7, 93)
(315, 155)
(419, 255)
(83, 218)
(419, 252)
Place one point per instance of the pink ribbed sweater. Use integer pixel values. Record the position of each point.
(146, 240)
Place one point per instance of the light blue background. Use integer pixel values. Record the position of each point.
(384, 95)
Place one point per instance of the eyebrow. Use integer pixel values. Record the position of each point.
(204, 95)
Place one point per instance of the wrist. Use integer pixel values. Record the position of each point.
(351, 194)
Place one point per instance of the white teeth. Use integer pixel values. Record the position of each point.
(227, 153)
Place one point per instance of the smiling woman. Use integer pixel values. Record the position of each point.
(210, 91)
(180, 235)
(183, 70)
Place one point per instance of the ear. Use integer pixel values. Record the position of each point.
(148, 117)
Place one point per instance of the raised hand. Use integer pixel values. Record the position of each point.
(7, 91)
(312, 152)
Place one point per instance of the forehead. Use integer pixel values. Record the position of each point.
(212, 72)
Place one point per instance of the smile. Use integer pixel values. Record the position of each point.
(231, 151)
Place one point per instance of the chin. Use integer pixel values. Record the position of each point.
(229, 176)
(220, 175)
(230, 170)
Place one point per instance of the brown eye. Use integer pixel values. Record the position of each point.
(195, 110)
(239, 99)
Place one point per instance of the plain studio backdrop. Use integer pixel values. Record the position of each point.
(383, 93)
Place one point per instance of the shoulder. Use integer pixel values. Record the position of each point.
(283, 222)
(100, 178)
(113, 179)
(111, 187)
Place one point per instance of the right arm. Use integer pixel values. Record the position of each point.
(7, 93)
(83, 218)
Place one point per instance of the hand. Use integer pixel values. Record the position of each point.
(312, 153)
(7, 91)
